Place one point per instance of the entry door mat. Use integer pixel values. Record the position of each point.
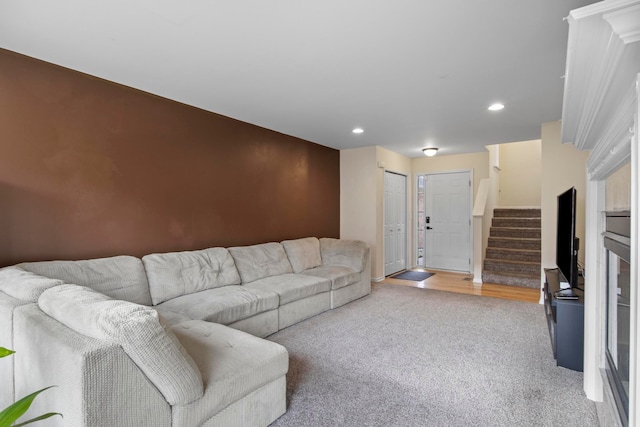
(415, 276)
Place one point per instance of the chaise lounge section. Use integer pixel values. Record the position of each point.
(113, 333)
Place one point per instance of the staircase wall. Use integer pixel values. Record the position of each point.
(520, 169)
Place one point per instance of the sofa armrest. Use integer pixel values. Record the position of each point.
(346, 253)
(8, 304)
(97, 384)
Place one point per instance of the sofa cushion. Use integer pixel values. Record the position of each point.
(339, 276)
(259, 261)
(346, 253)
(224, 305)
(303, 254)
(171, 317)
(136, 328)
(233, 364)
(120, 277)
(291, 287)
(175, 274)
(24, 285)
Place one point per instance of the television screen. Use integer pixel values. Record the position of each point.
(566, 242)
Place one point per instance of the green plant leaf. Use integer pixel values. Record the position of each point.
(41, 417)
(5, 352)
(9, 415)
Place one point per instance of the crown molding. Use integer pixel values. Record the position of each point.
(602, 38)
(600, 8)
(625, 23)
(614, 145)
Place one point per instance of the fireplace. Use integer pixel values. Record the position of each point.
(618, 316)
(601, 113)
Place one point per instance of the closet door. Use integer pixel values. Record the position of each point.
(395, 226)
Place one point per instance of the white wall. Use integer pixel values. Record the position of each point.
(520, 169)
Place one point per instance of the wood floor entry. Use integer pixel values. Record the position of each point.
(463, 284)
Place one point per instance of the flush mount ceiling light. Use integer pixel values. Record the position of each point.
(430, 152)
(496, 107)
(358, 130)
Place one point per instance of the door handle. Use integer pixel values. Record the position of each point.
(429, 228)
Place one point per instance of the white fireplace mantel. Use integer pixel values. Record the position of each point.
(601, 113)
(603, 54)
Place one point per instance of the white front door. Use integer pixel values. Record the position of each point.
(395, 227)
(447, 234)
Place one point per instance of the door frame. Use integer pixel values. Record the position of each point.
(415, 226)
(407, 212)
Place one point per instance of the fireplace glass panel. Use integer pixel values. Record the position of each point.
(618, 327)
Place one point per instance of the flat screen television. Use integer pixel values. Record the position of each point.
(566, 240)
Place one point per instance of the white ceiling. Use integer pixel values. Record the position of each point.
(411, 73)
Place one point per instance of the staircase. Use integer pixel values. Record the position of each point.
(513, 251)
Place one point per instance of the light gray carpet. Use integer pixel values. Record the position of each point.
(413, 357)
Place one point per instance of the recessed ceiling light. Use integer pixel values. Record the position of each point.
(496, 107)
(358, 130)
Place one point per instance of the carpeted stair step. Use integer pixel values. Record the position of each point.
(522, 280)
(526, 233)
(513, 251)
(513, 254)
(517, 267)
(517, 213)
(516, 222)
(532, 244)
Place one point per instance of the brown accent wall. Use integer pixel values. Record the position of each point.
(89, 168)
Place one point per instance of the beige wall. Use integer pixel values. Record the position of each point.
(358, 196)
(393, 162)
(362, 187)
(520, 168)
(362, 198)
(563, 166)
(477, 162)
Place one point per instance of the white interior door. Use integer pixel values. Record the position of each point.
(395, 227)
(447, 233)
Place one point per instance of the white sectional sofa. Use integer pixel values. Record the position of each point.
(171, 339)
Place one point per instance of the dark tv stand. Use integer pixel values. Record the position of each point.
(565, 319)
